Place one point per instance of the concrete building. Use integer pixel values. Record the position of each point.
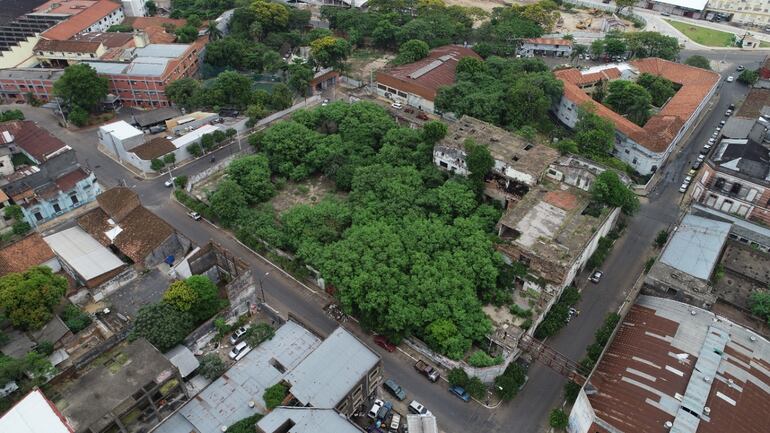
(424, 423)
(122, 223)
(545, 47)
(26, 253)
(130, 389)
(751, 12)
(686, 8)
(417, 83)
(519, 163)
(16, 84)
(119, 137)
(155, 117)
(83, 257)
(34, 414)
(306, 420)
(675, 367)
(84, 16)
(646, 148)
(579, 172)
(182, 124)
(134, 8)
(60, 54)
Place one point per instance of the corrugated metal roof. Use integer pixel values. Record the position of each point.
(696, 246)
(307, 420)
(107, 67)
(162, 50)
(183, 359)
(194, 136)
(326, 376)
(147, 66)
(121, 130)
(33, 414)
(85, 254)
(421, 424)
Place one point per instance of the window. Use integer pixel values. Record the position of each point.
(74, 199)
(38, 216)
(56, 207)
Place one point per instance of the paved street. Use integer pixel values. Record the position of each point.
(528, 412)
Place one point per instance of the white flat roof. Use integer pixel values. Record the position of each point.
(689, 4)
(33, 414)
(193, 136)
(85, 254)
(121, 130)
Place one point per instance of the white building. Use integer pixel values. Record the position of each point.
(545, 47)
(34, 414)
(755, 12)
(134, 8)
(120, 137)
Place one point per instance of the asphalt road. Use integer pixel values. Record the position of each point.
(528, 412)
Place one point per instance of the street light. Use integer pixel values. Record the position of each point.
(262, 289)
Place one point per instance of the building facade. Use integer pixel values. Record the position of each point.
(60, 54)
(753, 12)
(545, 47)
(85, 16)
(16, 84)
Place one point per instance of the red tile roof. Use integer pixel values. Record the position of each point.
(428, 83)
(153, 26)
(68, 181)
(549, 41)
(24, 254)
(660, 130)
(77, 23)
(34, 140)
(67, 46)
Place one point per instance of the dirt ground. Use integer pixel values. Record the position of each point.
(365, 61)
(308, 192)
(487, 5)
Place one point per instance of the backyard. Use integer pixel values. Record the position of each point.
(703, 35)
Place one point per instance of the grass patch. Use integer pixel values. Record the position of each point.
(763, 44)
(703, 35)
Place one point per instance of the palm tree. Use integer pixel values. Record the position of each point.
(578, 50)
(213, 30)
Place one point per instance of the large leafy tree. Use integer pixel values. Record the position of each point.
(479, 162)
(629, 99)
(80, 86)
(652, 44)
(699, 62)
(411, 51)
(228, 201)
(300, 76)
(329, 51)
(252, 173)
(288, 146)
(271, 16)
(27, 298)
(660, 88)
(608, 189)
(231, 89)
(759, 302)
(184, 92)
(594, 135)
(163, 325)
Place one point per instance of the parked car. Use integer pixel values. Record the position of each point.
(722, 123)
(194, 215)
(712, 140)
(729, 112)
(238, 334)
(740, 68)
(596, 276)
(683, 188)
(730, 79)
(384, 410)
(238, 349)
(460, 392)
(692, 172)
(170, 182)
(384, 343)
(395, 421)
(157, 128)
(395, 389)
(688, 179)
(396, 105)
(417, 408)
(696, 165)
(375, 408)
(701, 157)
(731, 107)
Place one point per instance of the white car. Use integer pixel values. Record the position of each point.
(683, 188)
(396, 105)
(596, 276)
(238, 334)
(730, 79)
(728, 113)
(688, 179)
(325, 103)
(712, 141)
(194, 215)
(240, 348)
(701, 157)
(375, 408)
(417, 408)
(170, 182)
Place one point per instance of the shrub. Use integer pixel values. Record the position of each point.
(21, 227)
(558, 419)
(258, 333)
(75, 319)
(648, 264)
(44, 348)
(571, 391)
(476, 388)
(157, 164)
(212, 366)
(78, 116)
(245, 425)
(274, 395)
(507, 384)
(458, 376)
(181, 181)
(557, 315)
(524, 313)
(480, 358)
(661, 238)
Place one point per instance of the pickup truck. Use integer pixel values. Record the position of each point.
(426, 370)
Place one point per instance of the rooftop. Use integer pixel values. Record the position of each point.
(521, 159)
(737, 127)
(226, 400)
(53, 331)
(743, 156)
(432, 72)
(306, 420)
(33, 414)
(696, 246)
(25, 27)
(754, 102)
(672, 362)
(36, 141)
(328, 374)
(549, 222)
(67, 46)
(183, 359)
(83, 253)
(109, 39)
(660, 130)
(67, 7)
(31, 74)
(76, 24)
(153, 117)
(194, 135)
(121, 130)
(154, 148)
(548, 41)
(22, 255)
(110, 382)
(68, 181)
(153, 26)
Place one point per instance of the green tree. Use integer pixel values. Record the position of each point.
(623, 4)
(213, 31)
(699, 62)
(566, 146)
(245, 425)
(162, 324)
(661, 238)
(307, 227)
(252, 174)
(411, 51)
(120, 28)
(80, 86)
(433, 131)
(558, 419)
(458, 376)
(169, 158)
(652, 44)
(257, 334)
(78, 116)
(157, 164)
(443, 335)
(476, 388)
(27, 298)
(231, 89)
(8, 115)
(288, 147)
(479, 162)
(194, 20)
(300, 76)
(212, 366)
(274, 395)
(151, 8)
(659, 88)
(329, 51)
(184, 92)
(759, 301)
(75, 319)
(594, 135)
(507, 384)
(181, 296)
(228, 201)
(271, 16)
(186, 34)
(629, 99)
(608, 189)
(615, 47)
(749, 77)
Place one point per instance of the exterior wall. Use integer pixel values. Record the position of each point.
(6, 165)
(181, 155)
(175, 245)
(590, 248)
(750, 202)
(118, 147)
(54, 264)
(20, 55)
(361, 392)
(529, 50)
(567, 112)
(745, 11)
(84, 191)
(449, 162)
(15, 89)
(70, 58)
(115, 17)
(134, 8)
(582, 415)
(406, 97)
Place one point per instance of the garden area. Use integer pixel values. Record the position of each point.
(704, 35)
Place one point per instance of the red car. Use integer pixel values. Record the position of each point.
(384, 343)
(422, 116)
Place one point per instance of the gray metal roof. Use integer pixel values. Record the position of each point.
(737, 127)
(740, 226)
(83, 253)
(328, 374)
(307, 420)
(147, 66)
(152, 117)
(696, 246)
(108, 67)
(226, 400)
(421, 423)
(31, 74)
(183, 359)
(171, 51)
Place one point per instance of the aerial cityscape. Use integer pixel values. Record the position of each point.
(384, 216)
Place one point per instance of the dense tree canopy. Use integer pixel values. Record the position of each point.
(510, 93)
(163, 325)
(608, 189)
(594, 135)
(698, 61)
(659, 88)
(80, 86)
(252, 174)
(27, 298)
(411, 51)
(629, 99)
(329, 51)
(759, 301)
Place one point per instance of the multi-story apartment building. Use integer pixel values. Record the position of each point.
(60, 54)
(755, 12)
(85, 16)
